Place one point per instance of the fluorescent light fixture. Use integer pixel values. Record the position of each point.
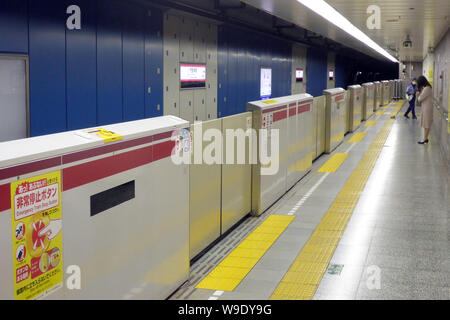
(327, 12)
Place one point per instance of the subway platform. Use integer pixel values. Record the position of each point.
(370, 221)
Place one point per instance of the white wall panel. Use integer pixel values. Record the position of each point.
(331, 65)
(187, 105)
(189, 40)
(200, 105)
(171, 64)
(200, 34)
(298, 62)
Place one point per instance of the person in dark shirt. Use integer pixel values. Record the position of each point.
(411, 96)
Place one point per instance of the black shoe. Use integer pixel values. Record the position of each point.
(406, 116)
(414, 118)
(423, 142)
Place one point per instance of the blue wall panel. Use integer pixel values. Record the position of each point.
(241, 80)
(154, 63)
(81, 64)
(109, 62)
(133, 63)
(240, 60)
(233, 76)
(340, 72)
(316, 71)
(222, 79)
(47, 67)
(13, 26)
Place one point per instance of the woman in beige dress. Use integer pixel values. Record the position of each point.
(426, 100)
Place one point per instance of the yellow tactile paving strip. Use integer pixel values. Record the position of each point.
(370, 123)
(357, 137)
(333, 163)
(303, 277)
(380, 113)
(233, 269)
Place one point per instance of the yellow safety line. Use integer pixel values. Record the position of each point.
(304, 276)
(333, 163)
(357, 137)
(233, 269)
(370, 123)
(380, 113)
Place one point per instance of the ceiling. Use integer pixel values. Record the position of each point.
(425, 21)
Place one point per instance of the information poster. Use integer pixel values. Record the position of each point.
(37, 235)
(299, 75)
(266, 83)
(192, 76)
(331, 75)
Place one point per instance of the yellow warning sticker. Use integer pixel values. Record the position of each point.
(270, 101)
(107, 136)
(37, 235)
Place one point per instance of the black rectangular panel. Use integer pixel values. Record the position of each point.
(112, 197)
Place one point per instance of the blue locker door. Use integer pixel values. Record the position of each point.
(133, 62)
(81, 68)
(47, 67)
(109, 62)
(154, 63)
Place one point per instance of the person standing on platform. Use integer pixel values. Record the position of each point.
(426, 100)
(411, 95)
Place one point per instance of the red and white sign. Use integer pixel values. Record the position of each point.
(22, 273)
(35, 197)
(192, 73)
(339, 98)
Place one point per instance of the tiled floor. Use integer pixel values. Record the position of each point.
(396, 244)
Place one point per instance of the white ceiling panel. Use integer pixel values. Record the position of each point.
(425, 21)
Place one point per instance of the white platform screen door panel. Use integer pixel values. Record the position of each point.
(13, 98)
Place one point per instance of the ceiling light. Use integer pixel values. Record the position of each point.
(329, 13)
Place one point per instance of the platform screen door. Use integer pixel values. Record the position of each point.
(13, 97)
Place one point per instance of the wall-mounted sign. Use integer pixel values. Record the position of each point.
(36, 235)
(192, 76)
(266, 83)
(299, 75)
(331, 74)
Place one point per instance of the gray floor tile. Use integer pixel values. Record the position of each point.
(245, 296)
(258, 273)
(350, 255)
(264, 287)
(275, 264)
(387, 291)
(431, 293)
